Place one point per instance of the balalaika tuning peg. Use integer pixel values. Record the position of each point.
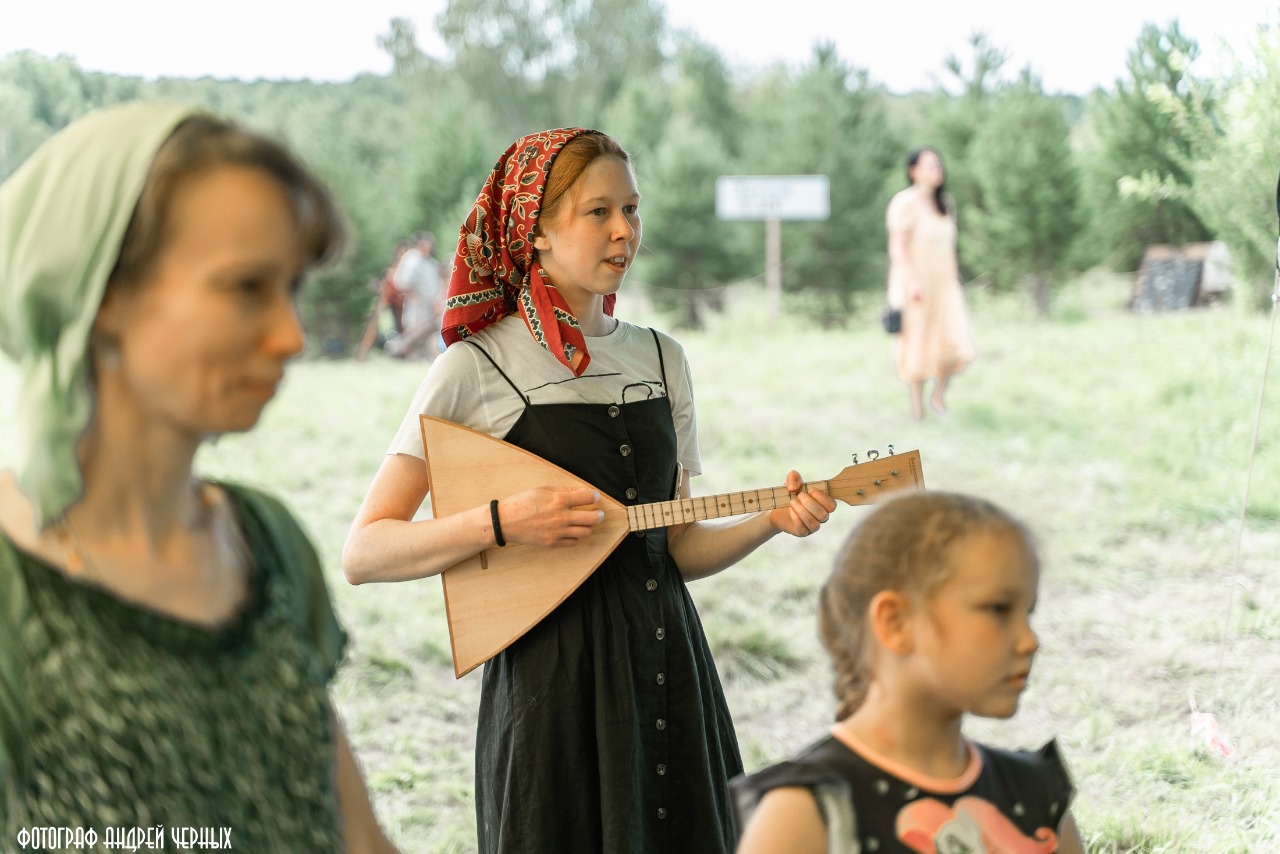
(855, 458)
(891, 450)
(873, 455)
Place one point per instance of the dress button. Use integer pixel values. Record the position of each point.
(631, 492)
(613, 411)
(662, 770)
(661, 724)
(662, 812)
(662, 679)
(651, 585)
(625, 450)
(660, 633)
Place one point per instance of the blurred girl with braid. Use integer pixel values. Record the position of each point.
(604, 728)
(926, 618)
(166, 641)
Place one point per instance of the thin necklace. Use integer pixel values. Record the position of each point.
(74, 556)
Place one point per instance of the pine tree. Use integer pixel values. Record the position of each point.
(828, 120)
(1030, 188)
(1137, 136)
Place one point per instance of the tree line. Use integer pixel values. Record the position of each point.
(1045, 185)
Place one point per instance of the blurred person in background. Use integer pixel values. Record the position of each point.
(417, 279)
(392, 297)
(936, 341)
(166, 641)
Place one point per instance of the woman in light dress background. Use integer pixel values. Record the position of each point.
(936, 341)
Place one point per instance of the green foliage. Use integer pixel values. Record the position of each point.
(401, 42)
(386, 671)
(40, 96)
(703, 90)
(685, 132)
(686, 249)
(827, 120)
(551, 63)
(1230, 175)
(502, 51)
(21, 132)
(700, 93)
(608, 42)
(452, 146)
(639, 116)
(354, 140)
(1134, 136)
(1166, 157)
(1030, 190)
(959, 117)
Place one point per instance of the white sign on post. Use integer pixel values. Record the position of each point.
(800, 197)
(773, 198)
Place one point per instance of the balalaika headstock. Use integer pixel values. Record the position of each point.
(866, 483)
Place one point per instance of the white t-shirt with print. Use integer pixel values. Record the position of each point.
(462, 386)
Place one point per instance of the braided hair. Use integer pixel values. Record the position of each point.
(904, 545)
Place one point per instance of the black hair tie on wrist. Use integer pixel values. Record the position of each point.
(497, 526)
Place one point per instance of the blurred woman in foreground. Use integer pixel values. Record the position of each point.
(166, 641)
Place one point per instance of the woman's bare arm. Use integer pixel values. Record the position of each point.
(384, 544)
(705, 548)
(360, 831)
(902, 273)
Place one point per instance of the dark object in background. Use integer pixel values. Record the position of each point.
(1178, 277)
(892, 320)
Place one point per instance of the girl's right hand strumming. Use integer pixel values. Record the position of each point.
(387, 544)
(549, 516)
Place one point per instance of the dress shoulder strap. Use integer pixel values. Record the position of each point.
(501, 372)
(662, 365)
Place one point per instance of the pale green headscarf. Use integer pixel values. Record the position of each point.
(63, 215)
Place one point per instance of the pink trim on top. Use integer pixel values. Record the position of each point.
(942, 786)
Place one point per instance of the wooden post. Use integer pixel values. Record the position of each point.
(773, 267)
(773, 198)
(370, 334)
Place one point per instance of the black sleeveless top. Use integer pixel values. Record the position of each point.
(1007, 801)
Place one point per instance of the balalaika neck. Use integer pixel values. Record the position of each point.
(660, 514)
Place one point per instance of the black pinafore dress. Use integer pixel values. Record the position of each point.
(605, 729)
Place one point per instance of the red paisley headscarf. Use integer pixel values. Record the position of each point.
(495, 272)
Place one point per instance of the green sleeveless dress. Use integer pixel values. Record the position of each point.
(113, 716)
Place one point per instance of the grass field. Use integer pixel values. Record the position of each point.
(1123, 440)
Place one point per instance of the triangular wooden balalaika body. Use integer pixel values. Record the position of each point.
(498, 595)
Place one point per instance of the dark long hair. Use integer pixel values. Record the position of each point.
(940, 194)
